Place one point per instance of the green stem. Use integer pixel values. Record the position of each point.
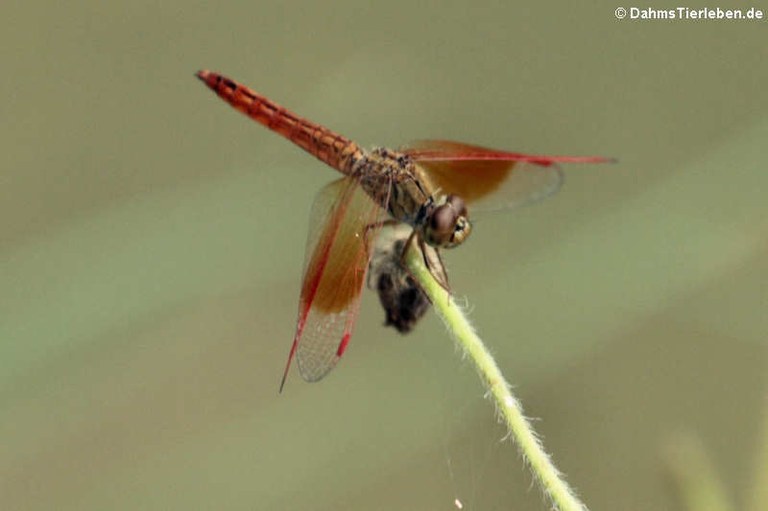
(694, 475)
(544, 470)
(759, 500)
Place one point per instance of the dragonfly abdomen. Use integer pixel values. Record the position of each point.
(322, 143)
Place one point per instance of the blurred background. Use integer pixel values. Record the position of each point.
(152, 239)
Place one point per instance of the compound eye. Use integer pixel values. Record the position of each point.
(458, 204)
(443, 222)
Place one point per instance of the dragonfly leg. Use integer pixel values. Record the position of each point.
(440, 276)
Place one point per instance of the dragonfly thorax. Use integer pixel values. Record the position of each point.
(396, 182)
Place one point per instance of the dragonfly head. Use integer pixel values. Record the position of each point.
(447, 224)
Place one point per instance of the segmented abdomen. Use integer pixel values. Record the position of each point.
(329, 147)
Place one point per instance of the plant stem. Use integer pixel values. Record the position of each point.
(759, 500)
(694, 475)
(509, 408)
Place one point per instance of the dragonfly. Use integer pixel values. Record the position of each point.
(426, 186)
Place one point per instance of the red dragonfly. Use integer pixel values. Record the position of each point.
(425, 186)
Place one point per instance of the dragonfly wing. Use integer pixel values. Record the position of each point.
(490, 179)
(343, 224)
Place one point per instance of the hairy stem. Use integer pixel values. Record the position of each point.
(509, 408)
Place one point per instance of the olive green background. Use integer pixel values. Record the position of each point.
(151, 246)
